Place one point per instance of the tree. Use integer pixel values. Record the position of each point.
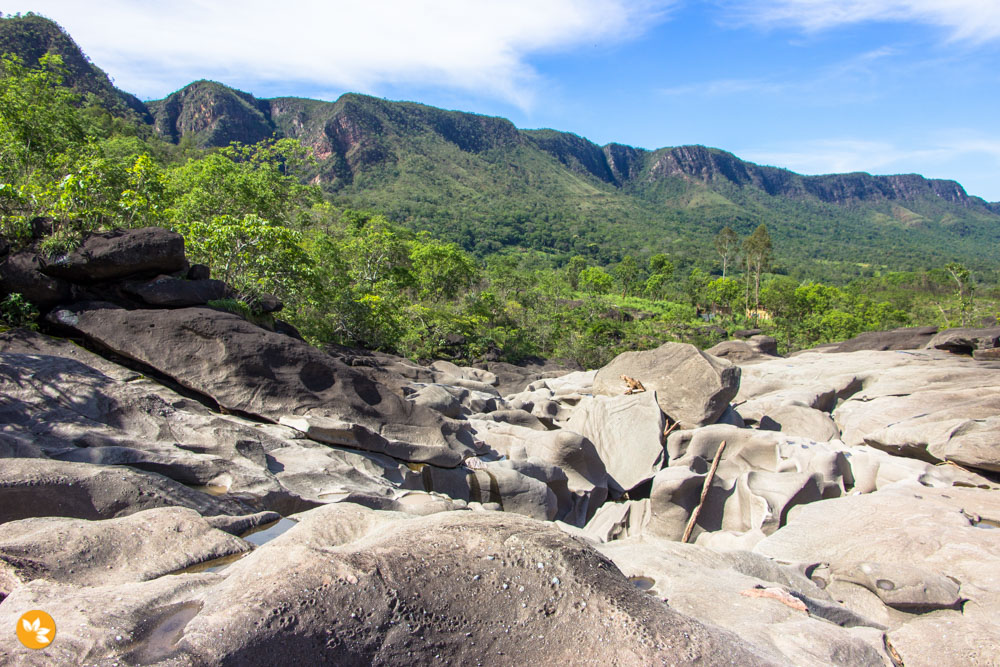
(627, 274)
(441, 269)
(241, 180)
(727, 244)
(575, 265)
(595, 279)
(963, 281)
(757, 250)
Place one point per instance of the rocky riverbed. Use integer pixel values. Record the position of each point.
(498, 515)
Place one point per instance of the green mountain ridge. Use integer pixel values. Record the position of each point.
(482, 182)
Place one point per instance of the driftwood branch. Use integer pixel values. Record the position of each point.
(704, 492)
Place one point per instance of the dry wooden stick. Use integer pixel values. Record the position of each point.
(704, 492)
(670, 428)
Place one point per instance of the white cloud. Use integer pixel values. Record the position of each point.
(153, 48)
(975, 21)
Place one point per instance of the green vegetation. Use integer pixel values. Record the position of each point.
(491, 249)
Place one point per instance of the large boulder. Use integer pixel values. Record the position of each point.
(249, 370)
(966, 341)
(21, 273)
(912, 547)
(121, 254)
(348, 585)
(171, 292)
(906, 338)
(691, 387)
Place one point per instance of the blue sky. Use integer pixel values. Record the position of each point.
(817, 86)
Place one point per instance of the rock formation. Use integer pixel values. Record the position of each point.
(462, 515)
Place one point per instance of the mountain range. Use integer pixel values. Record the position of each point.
(489, 186)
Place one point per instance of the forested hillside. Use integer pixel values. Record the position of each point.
(432, 233)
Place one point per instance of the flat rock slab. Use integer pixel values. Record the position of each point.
(353, 586)
(138, 547)
(912, 531)
(691, 387)
(250, 370)
(773, 606)
(40, 487)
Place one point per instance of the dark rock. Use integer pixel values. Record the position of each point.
(120, 254)
(965, 341)
(267, 303)
(199, 272)
(254, 371)
(21, 273)
(747, 333)
(169, 292)
(906, 338)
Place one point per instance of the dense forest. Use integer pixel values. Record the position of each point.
(355, 269)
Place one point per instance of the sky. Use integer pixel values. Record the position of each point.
(815, 86)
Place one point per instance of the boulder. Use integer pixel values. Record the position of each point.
(965, 341)
(121, 254)
(349, 585)
(627, 432)
(137, 547)
(691, 387)
(906, 338)
(801, 421)
(250, 370)
(573, 454)
(170, 292)
(741, 351)
(21, 273)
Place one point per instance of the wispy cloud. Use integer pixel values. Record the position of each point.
(851, 79)
(482, 47)
(975, 21)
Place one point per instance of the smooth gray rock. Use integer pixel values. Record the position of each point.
(801, 421)
(627, 432)
(966, 340)
(351, 585)
(137, 547)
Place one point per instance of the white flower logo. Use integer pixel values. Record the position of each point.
(41, 634)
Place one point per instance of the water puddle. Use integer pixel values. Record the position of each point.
(212, 489)
(264, 534)
(642, 583)
(259, 536)
(163, 633)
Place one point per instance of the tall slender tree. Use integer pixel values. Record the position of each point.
(757, 250)
(727, 244)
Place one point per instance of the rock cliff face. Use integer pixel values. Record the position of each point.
(841, 505)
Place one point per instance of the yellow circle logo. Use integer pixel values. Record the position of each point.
(36, 629)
